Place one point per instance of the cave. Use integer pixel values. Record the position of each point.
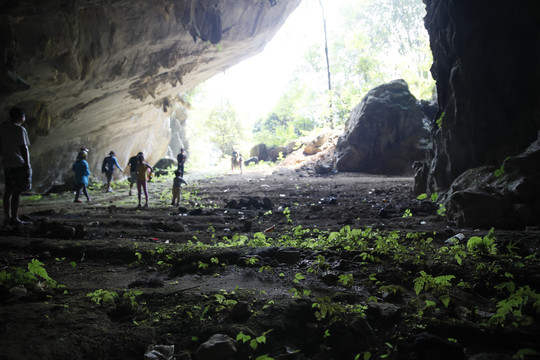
(132, 283)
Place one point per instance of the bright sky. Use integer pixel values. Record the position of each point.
(254, 86)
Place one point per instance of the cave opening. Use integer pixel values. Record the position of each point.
(287, 261)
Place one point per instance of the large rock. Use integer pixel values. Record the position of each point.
(259, 151)
(487, 83)
(108, 75)
(383, 133)
(505, 197)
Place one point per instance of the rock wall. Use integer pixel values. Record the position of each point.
(487, 67)
(107, 74)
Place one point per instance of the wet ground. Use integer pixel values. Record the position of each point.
(343, 266)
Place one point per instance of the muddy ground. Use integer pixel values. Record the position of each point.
(342, 266)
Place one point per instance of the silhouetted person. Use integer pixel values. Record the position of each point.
(132, 163)
(181, 158)
(176, 191)
(143, 171)
(16, 161)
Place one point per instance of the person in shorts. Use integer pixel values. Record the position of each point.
(144, 170)
(132, 164)
(14, 144)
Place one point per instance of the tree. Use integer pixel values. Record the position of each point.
(223, 126)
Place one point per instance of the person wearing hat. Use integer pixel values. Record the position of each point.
(132, 163)
(107, 167)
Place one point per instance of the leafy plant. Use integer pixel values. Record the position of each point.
(254, 342)
(407, 213)
(514, 307)
(287, 213)
(298, 277)
(346, 280)
(434, 197)
(439, 285)
(130, 296)
(439, 121)
(252, 260)
(36, 271)
(501, 171)
(103, 297)
(483, 245)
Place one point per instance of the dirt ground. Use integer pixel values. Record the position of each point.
(341, 266)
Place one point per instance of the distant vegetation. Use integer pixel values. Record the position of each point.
(375, 42)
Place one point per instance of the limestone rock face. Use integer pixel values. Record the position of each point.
(107, 75)
(383, 133)
(487, 83)
(489, 99)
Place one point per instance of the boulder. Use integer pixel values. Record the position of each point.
(259, 151)
(505, 197)
(383, 133)
(218, 347)
(251, 160)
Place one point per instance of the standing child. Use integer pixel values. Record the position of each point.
(177, 183)
(80, 167)
(143, 171)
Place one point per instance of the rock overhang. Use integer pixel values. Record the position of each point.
(105, 75)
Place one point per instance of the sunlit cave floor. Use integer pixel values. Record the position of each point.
(350, 265)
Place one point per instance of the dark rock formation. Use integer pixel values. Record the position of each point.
(107, 75)
(507, 196)
(487, 67)
(486, 64)
(259, 151)
(384, 132)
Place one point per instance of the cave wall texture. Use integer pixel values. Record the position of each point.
(487, 68)
(106, 74)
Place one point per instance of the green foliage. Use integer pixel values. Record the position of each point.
(103, 297)
(254, 342)
(224, 303)
(439, 121)
(33, 197)
(441, 211)
(483, 245)
(407, 213)
(287, 213)
(334, 311)
(36, 272)
(224, 126)
(501, 171)
(513, 307)
(346, 280)
(439, 285)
